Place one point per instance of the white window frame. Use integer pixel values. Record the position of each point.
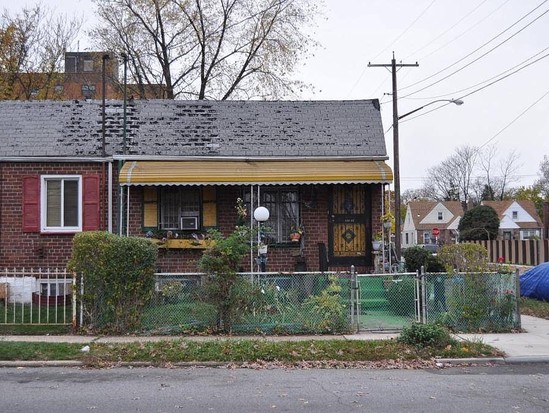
(43, 204)
(59, 287)
(526, 234)
(440, 215)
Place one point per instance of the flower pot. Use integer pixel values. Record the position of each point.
(295, 236)
(376, 245)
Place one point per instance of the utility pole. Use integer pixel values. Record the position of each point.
(396, 162)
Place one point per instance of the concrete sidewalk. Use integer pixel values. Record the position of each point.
(527, 347)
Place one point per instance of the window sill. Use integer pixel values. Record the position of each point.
(182, 243)
(288, 244)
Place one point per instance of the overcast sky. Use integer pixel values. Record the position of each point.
(460, 47)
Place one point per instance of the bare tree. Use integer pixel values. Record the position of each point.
(453, 178)
(498, 177)
(210, 49)
(415, 195)
(33, 46)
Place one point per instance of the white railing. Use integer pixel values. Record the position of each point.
(37, 296)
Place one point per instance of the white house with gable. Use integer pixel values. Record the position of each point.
(518, 219)
(431, 222)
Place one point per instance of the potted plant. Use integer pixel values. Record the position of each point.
(296, 233)
(377, 240)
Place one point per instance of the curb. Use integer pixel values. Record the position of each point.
(497, 360)
(49, 363)
(442, 362)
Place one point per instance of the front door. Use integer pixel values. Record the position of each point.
(348, 224)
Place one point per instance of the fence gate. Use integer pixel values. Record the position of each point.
(386, 302)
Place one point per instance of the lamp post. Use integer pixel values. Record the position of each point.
(396, 166)
(261, 214)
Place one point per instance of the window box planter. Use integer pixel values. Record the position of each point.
(182, 243)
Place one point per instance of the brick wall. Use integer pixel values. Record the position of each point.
(33, 249)
(283, 257)
(19, 249)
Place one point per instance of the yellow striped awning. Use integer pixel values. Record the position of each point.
(257, 172)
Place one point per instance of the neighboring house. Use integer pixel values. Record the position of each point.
(179, 168)
(519, 220)
(431, 222)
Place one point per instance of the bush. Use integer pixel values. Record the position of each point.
(415, 258)
(224, 288)
(426, 335)
(118, 278)
(479, 223)
(329, 308)
(464, 258)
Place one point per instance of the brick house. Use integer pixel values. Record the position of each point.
(178, 168)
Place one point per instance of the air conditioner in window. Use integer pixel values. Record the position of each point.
(189, 223)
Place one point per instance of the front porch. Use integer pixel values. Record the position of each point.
(333, 205)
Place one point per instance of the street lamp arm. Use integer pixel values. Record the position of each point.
(455, 101)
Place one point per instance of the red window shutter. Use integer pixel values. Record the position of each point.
(31, 204)
(90, 203)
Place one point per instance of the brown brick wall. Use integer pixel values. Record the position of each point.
(18, 249)
(283, 257)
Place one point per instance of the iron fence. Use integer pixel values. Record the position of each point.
(37, 297)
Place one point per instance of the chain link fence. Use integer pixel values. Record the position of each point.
(387, 302)
(472, 302)
(275, 303)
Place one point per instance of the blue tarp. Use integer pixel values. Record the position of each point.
(534, 283)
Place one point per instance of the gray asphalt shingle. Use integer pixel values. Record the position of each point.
(192, 128)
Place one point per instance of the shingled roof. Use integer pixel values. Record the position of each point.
(168, 128)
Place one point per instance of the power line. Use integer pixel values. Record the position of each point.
(514, 120)
(446, 31)
(490, 79)
(466, 31)
(451, 41)
(480, 88)
(474, 51)
(391, 44)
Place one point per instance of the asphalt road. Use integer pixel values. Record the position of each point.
(519, 388)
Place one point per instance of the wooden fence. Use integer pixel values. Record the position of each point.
(527, 252)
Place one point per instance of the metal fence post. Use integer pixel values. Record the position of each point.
(353, 301)
(517, 298)
(423, 296)
(74, 295)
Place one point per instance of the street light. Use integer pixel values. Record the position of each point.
(396, 166)
(261, 214)
(458, 102)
